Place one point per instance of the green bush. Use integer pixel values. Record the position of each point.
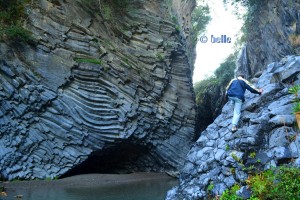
(230, 194)
(107, 12)
(261, 183)
(200, 18)
(12, 16)
(17, 33)
(273, 184)
(12, 11)
(225, 72)
(294, 90)
(296, 107)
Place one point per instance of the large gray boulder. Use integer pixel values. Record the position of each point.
(267, 137)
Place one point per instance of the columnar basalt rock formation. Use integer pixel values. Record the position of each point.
(104, 87)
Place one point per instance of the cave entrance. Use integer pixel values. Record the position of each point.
(120, 159)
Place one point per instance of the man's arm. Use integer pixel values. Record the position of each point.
(251, 87)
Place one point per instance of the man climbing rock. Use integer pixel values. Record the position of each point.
(236, 94)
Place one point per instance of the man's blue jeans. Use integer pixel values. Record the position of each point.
(237, 109)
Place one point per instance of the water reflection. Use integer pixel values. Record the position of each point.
(142, 190)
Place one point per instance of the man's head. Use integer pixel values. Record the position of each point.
(241, 75)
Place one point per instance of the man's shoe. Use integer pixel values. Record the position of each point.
(234, 129)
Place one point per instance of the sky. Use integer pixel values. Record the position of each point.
(210, 55)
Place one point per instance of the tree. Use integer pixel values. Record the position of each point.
(200, 18)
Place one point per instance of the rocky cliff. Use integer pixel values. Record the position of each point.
(273, 32)
(267, 137)
(106, 88)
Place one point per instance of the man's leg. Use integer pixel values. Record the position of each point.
(236, 113)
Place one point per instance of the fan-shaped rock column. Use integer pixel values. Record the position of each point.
(98, 79)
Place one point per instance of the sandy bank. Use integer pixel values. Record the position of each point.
(89, 180)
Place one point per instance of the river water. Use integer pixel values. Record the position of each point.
(155, 189)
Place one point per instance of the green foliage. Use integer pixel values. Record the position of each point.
(252, 7)
(51, 178)
(230, 194)
(177, 26)
(246, 3)
(272, 184)
(203, 88)
(107, 12)
(12, 16)
(175, 20)
(200, 18)
(288, 185)
(12, 11)
(109, 8)
(295, 91)
(252, 155)
(88, 60)
(17, 33)
(210, 187)
(159, 56)
(292, 138)
(296, 107)
(225, 72)
(207, 98)
(237, 159)
(227, 147)
(249, 169)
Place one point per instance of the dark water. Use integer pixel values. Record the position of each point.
(143, 190)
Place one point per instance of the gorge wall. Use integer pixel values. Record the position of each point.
(273, 32)
(107, 87)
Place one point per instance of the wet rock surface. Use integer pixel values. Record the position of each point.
(267, 137)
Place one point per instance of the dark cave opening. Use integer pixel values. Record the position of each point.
(120, 159)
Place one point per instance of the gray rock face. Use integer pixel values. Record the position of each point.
(271, 36)
(109, 87)
(267, 136)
